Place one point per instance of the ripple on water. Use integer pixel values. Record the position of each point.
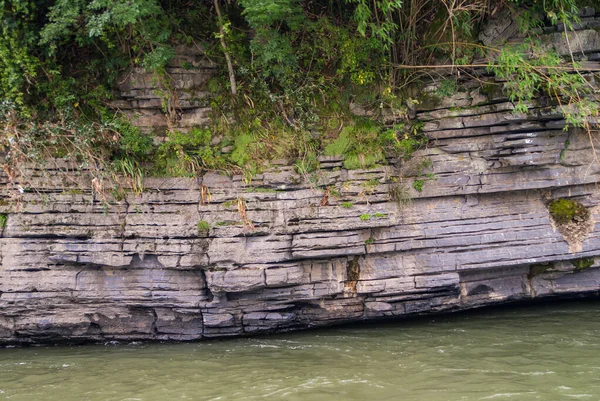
(507, 395)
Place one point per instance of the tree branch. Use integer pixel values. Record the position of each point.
(224, 46)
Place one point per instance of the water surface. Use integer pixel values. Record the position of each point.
(543, 352)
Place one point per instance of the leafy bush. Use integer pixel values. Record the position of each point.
(297, 64)
(362, 145)
(447, 88)
(365, 144)
(529, 69)
(132, 141)
(186, 154)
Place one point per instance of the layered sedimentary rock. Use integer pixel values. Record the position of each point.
(219, 256)
(177, 101)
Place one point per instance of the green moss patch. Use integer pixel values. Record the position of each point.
(582, 264)
(567, 210)
(572, 220)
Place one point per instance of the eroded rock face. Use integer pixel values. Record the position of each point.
(180, 103)
(334, 250)
(73, 270)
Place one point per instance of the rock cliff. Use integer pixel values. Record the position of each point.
(218, 256)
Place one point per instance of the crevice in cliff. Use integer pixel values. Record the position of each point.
(145, 260)
(480, 289)
(536, 270)
(54, 236)
(77, 279)
(209, 294)
(154, 327)
(94, 329)
(352, 275)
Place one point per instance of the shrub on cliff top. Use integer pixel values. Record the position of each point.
(297, 65)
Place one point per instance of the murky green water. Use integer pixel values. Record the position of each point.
(549, 352)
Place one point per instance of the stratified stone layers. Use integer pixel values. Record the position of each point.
(330, 249)
(287, 251)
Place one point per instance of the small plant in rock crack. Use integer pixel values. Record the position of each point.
(203, 227)
(399, 194)
(418, 185)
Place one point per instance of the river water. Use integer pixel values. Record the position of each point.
(541, 352)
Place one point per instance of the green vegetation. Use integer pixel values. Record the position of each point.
(229, 204)
(365, 143)
(3, 220)
(347, 205)
(365, 217)
(400, 195)
(334, 192)
(203, 227)
(298, 79)
(583, 263)
(73, 192)
(418, 185)
(186, 154)
(369, 241)
(380, 215)
(447, 88)
(567, 210)
(530, 68)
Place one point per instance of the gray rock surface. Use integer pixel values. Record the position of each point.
(478, 233)
(184, 88)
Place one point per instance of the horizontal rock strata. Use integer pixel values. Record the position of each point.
(217, 256)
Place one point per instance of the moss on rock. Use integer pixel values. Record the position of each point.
(567, 210)
(573, 221)
(583, 263)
